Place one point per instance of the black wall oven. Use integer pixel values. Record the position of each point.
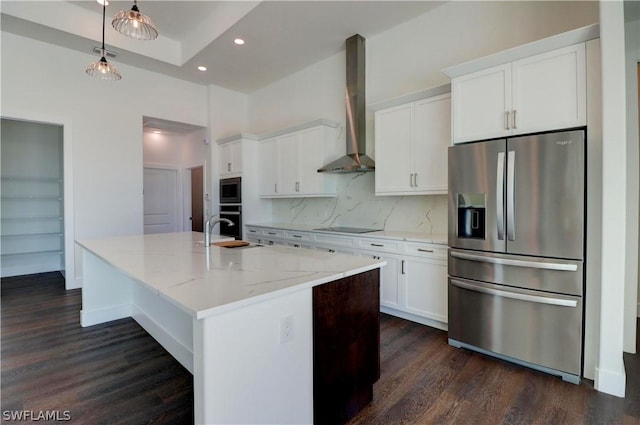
(231, 206)
(231, 190)
(233, 213)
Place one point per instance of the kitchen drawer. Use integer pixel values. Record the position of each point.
(385, 245)
(273, 233)
(298, 236)
(268, 241)
(425, 250)
(253, 232)
(332, 249)
(299, 245)
(323, 238)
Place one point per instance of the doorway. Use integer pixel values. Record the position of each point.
(196, 181)
(175, 169)
(32, 212)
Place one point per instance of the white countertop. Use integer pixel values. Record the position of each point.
(207, 281)
(440, 239)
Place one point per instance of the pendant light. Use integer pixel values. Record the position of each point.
(103, 69)
(134, 24)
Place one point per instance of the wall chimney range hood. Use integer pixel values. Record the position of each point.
(355, 161)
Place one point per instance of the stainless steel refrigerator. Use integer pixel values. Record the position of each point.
(517, 249)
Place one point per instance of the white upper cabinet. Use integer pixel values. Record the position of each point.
(268, 154)
(411, 147)
(550, 91)
(230, 158)
(481, 102)
(289, 162)
(538, 93)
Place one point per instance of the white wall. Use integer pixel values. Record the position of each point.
(106, 123)
(632, 47)
(610, 374)
(162, 149)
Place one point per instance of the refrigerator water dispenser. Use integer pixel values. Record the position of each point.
(471, 215)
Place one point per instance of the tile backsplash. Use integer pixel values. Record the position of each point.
(356, 205)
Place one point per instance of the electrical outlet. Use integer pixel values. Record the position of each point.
(286, 329)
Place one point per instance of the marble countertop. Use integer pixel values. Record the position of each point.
(206, 281)
(440, 239)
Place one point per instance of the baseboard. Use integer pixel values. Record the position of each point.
(181, 353)
(610, 382)
(102, 315)
(414, 318)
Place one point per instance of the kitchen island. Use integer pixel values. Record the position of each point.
(249, 323)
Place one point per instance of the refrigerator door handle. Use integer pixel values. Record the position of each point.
(500, 195)
(515, 295)
(563, 267)
(511, 203)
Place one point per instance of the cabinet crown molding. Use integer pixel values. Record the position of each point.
(239, 136)
(578, 35)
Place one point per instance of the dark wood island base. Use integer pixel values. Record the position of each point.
(346, 346)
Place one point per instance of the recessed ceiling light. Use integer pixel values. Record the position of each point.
(103, 2)
(157, 131)
(239, 41)
(202, 68)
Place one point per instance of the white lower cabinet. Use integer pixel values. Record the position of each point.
(426, 287)
(413, 284)
(391, 288)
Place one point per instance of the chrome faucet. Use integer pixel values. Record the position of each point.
(208, 226)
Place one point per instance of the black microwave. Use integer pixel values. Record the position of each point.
(231, 190)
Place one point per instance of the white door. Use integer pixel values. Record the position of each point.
(549, 91)
(269, 167)
(432, 138)
(160, 200)
(481, 101)
(394, 138)
(289, 166)
(426, 288)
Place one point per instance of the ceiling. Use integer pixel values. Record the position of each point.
(282, 37)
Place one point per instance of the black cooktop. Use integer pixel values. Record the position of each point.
(348, 229)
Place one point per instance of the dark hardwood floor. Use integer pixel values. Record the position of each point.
(118, 374)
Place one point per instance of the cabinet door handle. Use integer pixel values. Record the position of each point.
(297, 186)
(415, 179)
(295, 245)
(411, 179)
(228, 166)
(332, 250)
(425, 250)
(297, 236)
(514, 119)
(271, 233)
(402, 267)
(377, 244)
(506, 120)
(275, 188)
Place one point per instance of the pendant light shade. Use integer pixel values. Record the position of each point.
(134, 24)
(103, 69)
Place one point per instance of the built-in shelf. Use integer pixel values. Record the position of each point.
(31, 218)
(32, 235)
(32, 198)
(45, 251)
(32, 179)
